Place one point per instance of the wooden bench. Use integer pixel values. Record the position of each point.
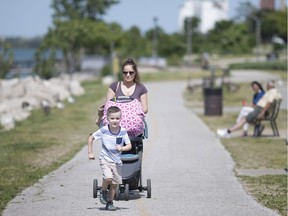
(272, 116)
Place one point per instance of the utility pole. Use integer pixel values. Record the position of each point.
(189, 40)
(258, 34)
(155, 42)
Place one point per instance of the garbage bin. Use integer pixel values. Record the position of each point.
(212, 101)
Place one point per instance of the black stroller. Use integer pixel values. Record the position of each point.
(131, 170)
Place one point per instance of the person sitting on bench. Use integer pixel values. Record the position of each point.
(261, 108)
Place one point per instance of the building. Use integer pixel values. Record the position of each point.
(208, 11)
(267, 4)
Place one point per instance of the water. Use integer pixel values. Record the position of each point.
(24, 62)
(27, 54)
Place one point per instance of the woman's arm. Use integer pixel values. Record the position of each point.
(110, 94)
(144, 102)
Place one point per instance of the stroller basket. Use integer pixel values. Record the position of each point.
(129, 157)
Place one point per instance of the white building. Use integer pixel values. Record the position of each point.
(208, 11)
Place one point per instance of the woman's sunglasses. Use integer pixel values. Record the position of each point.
(128, 72)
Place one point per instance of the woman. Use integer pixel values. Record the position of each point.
(246, 109)
(130, 85)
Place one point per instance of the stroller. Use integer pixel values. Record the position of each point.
(137, 130)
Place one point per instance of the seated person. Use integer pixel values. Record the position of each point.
(261, 108)
(246, 109)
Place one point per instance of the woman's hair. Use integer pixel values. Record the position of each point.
(258, 84)
(134, 66)
(113, 109)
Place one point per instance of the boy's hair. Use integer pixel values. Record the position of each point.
(113, 109)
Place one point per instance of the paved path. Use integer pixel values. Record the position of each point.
(191, 172)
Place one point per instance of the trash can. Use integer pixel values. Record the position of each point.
(212, 101)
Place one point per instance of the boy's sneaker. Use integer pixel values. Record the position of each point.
(103, 197)
(110, 206)
(223, 133)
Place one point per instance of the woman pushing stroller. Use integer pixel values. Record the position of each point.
(130, 95)
(131, 88)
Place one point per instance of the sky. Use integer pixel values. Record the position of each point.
(31, 18)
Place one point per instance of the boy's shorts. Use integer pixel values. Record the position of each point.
(111, 170)
(254, 114)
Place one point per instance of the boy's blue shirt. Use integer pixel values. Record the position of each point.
(109, 140)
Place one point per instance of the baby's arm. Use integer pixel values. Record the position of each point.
(90, 148)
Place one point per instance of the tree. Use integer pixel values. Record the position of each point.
(71, 37)
(229, 37)
(77, 25)
(133, 44)
(274, 23)
(6, 59)
(81, 9)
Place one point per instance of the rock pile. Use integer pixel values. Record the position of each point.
(19, 96)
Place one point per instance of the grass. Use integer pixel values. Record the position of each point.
(42, 143)
(268, 190)
(177, 75)
(252, 153)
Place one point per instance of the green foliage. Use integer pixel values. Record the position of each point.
(6, 59)
(274, 23)
(229, 37)
(106, 70)
(170, 45)
(273, 65)
(80, 9)
(132, 44)
(45, 66)
(78, 30)
(72, 36)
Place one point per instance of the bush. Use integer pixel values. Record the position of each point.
(106, 70)
(276, 65)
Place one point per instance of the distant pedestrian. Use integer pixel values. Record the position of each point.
(114, 140)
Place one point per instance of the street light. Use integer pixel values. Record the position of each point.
(154, 54)
(189, 40)
(258, 33)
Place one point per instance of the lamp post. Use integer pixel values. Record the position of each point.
(154, 53)
(258, 33)
(189, 40)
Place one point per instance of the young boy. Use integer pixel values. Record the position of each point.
(113, 138)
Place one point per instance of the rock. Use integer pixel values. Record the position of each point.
(19, 96)
(7, 121)
(107, 80)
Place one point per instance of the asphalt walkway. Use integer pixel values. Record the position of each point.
(191, 172)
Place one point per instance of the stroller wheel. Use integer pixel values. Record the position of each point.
(149, 188)
(95, 188)
(126, 192)
(117, 193)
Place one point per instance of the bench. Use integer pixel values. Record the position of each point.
(272, 116)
